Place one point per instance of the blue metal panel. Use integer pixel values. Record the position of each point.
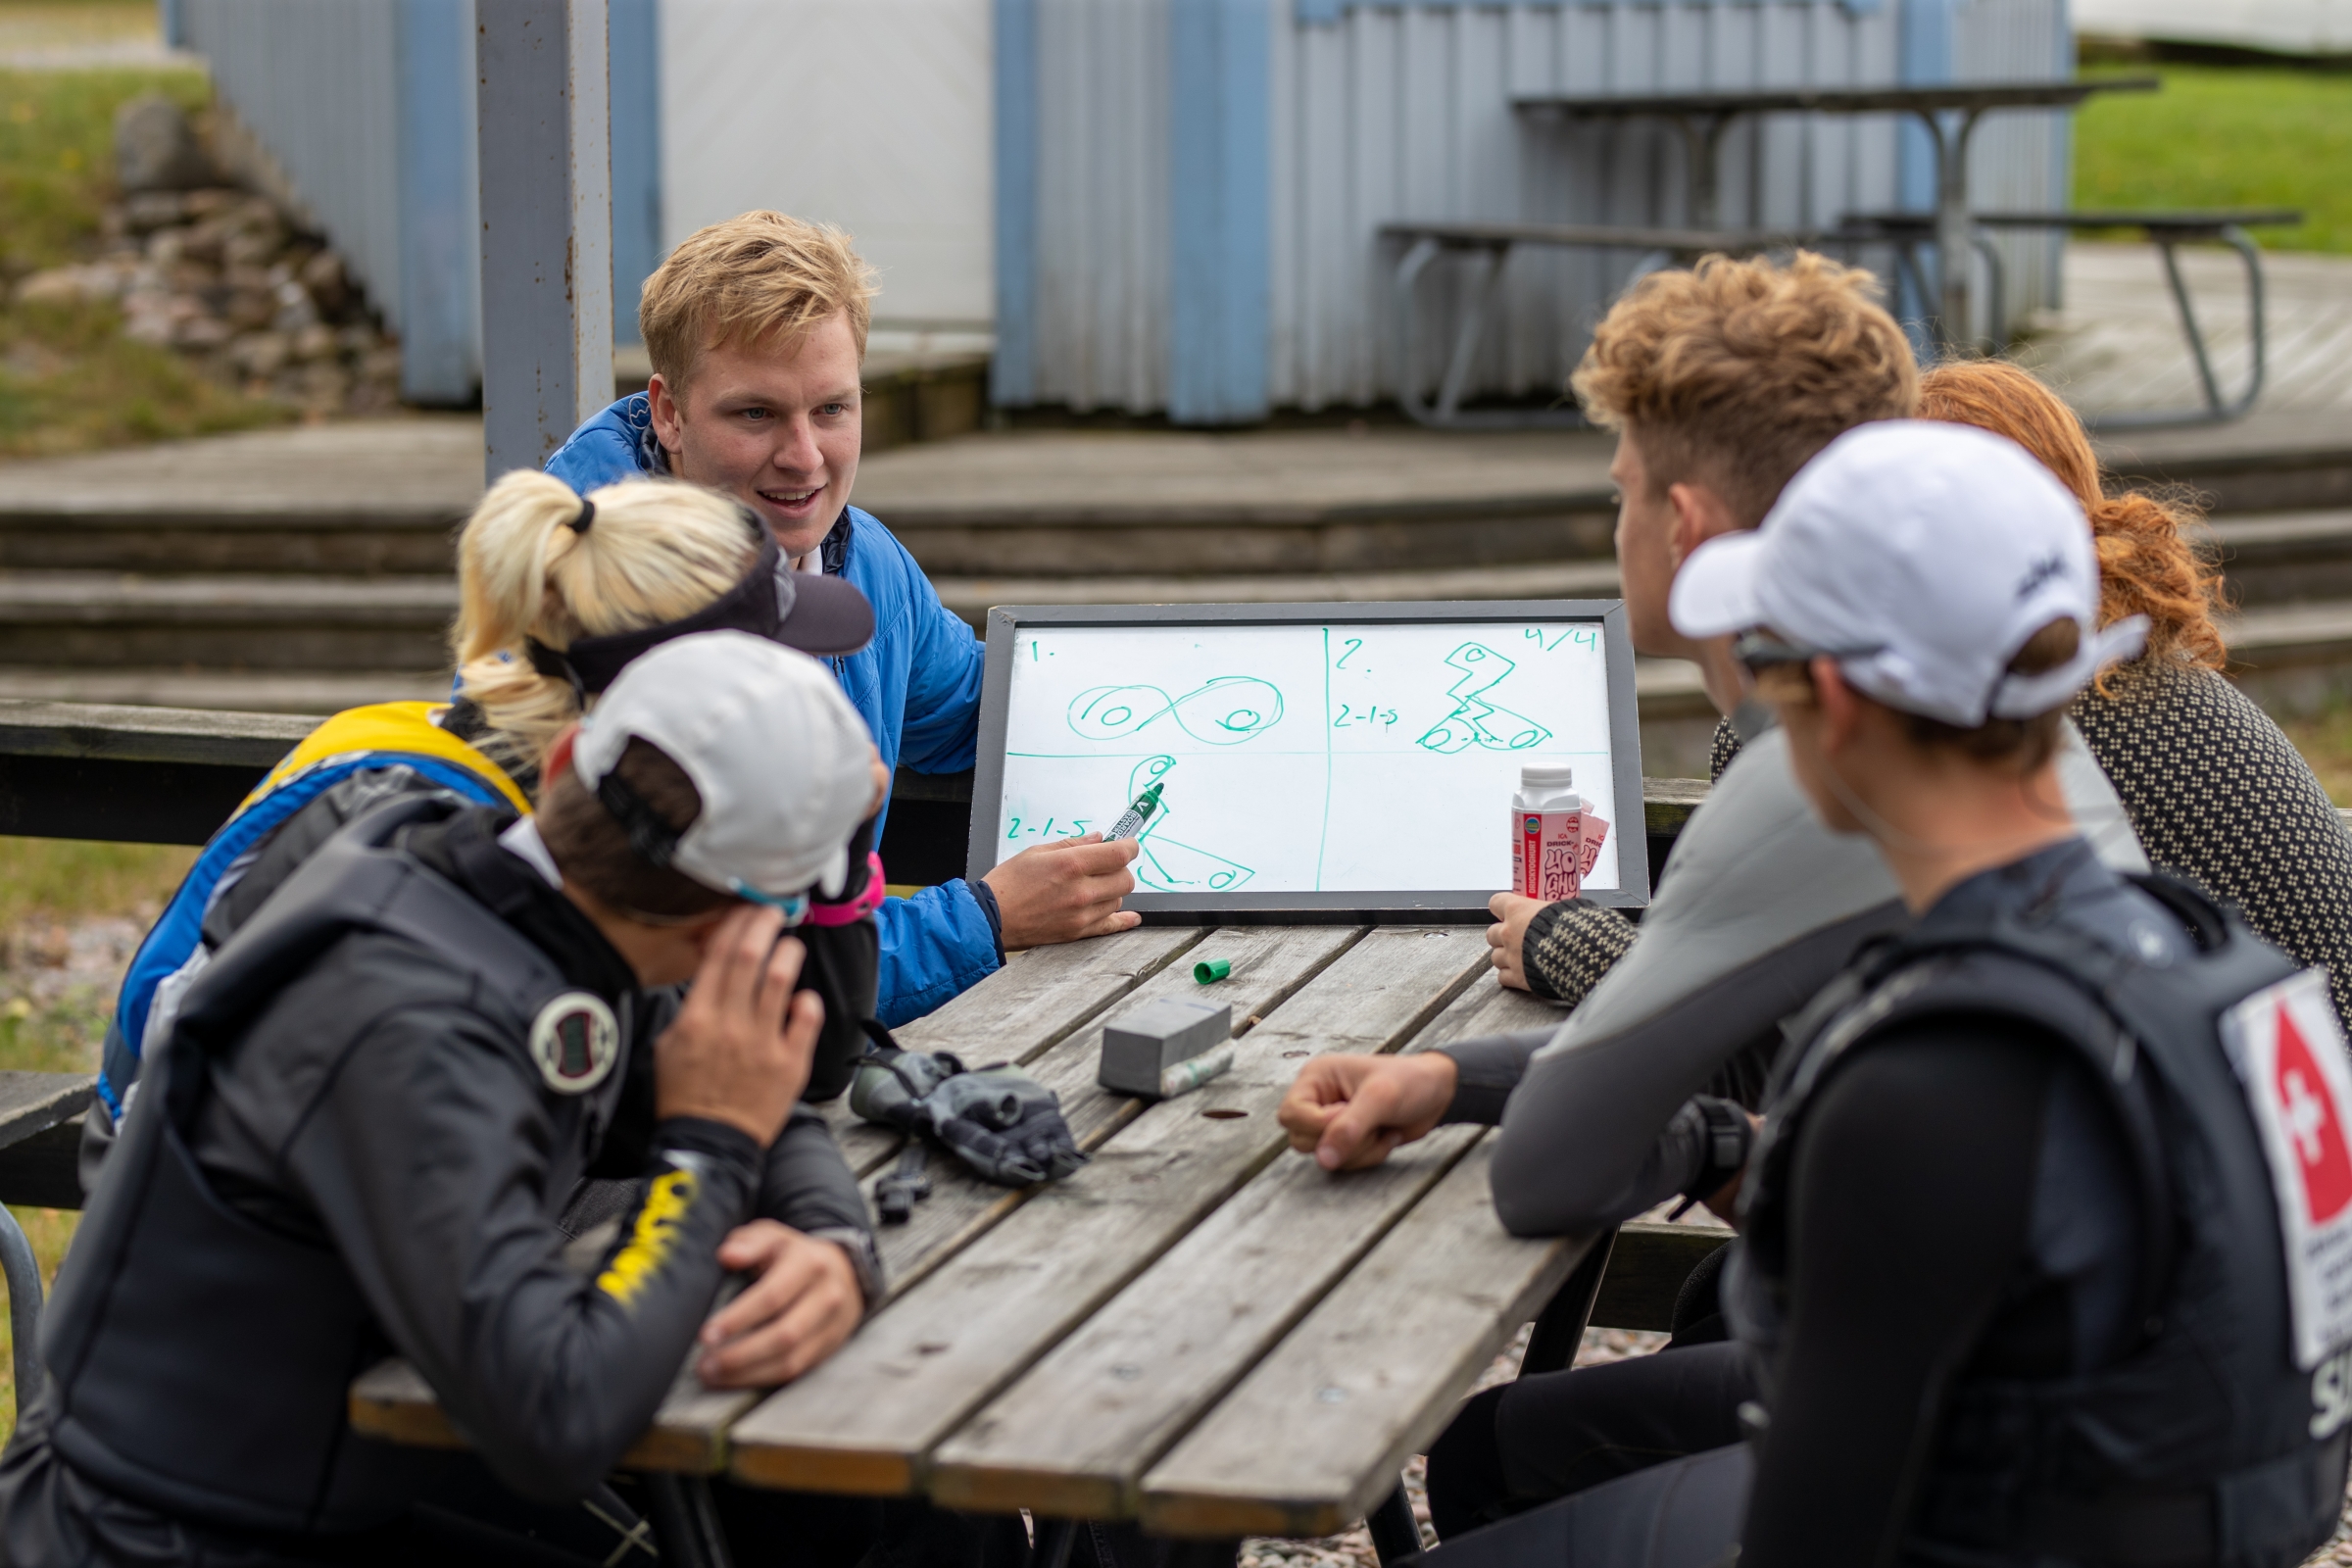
(440, 361)
(1310, 13)
(1220, 149)
(1012, 372)
(170, 24)
(636, 158)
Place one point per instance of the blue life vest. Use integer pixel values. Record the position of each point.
(381, 735)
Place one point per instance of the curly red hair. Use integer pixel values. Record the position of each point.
(2147, 564)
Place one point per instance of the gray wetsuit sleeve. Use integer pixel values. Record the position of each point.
(1488, 1067)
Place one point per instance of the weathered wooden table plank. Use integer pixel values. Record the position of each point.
(1318, 1432)
(1490, 1007)
(1074, 1435)
(867, 1421)
(1034, 1003)
(1269, 965)
(33, 1102)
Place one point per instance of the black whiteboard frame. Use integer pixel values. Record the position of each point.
(1462, 907)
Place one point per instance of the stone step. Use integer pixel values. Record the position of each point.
(234, 623)
(2284, 557)
(971, 597)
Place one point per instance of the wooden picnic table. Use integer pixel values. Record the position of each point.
(1199, 1330)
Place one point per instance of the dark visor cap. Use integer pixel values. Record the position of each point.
(816, 615)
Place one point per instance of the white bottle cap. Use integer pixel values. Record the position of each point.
(1546, 775)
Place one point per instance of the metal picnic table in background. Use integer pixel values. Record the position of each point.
(1950, 114)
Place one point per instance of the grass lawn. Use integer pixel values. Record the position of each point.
(68, 381)
(46, 886)
(2225, 136)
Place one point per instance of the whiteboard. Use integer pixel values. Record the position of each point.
(1307, 762)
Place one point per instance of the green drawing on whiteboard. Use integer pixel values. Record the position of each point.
(1165, 865)
(1475, 720)
(1226, 711)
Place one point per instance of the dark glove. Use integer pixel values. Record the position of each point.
(1003, 1124)
(844, 967)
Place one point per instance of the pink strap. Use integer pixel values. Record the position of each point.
(868, 900)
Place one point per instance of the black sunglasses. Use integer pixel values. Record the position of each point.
(1759, 651)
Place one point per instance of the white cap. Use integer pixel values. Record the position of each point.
(776, 752)
(1922, 556)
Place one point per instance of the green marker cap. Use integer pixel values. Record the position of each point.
(1148, 802)
(1211, 969)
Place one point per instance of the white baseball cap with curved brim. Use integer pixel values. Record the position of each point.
(1921, 556)
(776, 752)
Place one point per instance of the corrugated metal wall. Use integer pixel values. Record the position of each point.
(366, 109)
(1387, 112)
(317, 85)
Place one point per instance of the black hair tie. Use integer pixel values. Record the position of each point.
(581, 521)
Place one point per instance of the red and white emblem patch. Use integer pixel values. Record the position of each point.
(2288, 1050)
(575, 1040)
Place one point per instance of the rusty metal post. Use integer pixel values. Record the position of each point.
(544, 98)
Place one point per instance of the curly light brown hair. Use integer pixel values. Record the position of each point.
(1735, 373)
(2147, 566)
(757, 277)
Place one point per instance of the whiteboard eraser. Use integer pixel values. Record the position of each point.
(1141, 1046)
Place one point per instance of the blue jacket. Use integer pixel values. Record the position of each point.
(916, 685)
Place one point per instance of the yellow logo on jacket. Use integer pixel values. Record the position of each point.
(653, 1236)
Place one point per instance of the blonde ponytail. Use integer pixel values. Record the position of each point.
(657, 551)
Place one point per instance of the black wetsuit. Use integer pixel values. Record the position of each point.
(1990, 1142)
(1958, 1213)
(381, 1126)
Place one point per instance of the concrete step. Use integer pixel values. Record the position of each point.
(309, 625)
(222, 691)
(2284, 557)
(971, 597)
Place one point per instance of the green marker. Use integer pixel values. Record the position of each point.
(1131, 821)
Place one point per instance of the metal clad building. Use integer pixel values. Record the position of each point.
(1189, 200)
(1158, 204)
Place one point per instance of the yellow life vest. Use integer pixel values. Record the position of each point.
(399, 728)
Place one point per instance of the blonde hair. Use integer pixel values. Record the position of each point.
(1737, 372)
(657, 551)
(754, 277)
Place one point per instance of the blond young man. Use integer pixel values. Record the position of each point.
(757, 331)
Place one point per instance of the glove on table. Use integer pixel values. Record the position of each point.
(1001, 1122)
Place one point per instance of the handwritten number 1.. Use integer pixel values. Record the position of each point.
(1354, 643)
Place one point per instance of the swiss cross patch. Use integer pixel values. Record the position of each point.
(575, 1040)
(2289, 1051)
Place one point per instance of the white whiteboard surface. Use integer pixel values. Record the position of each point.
(1305, 759)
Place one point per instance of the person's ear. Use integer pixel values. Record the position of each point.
(1840, 709)
(669, 419)
(1700, 515)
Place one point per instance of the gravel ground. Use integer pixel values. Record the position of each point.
(58, 981)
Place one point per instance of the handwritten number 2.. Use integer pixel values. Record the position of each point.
(1354, 643)
(1016, 829)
